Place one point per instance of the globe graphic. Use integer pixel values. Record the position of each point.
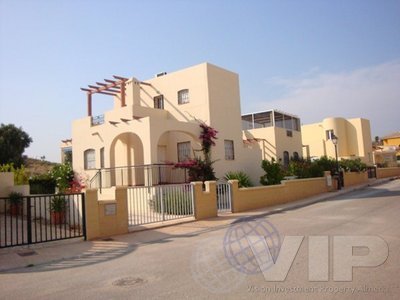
(211, 270)
(264, 238)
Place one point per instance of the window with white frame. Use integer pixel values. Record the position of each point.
(329, 134)
(229, 150)
(90, 159)
(184, 150)
(183, 96)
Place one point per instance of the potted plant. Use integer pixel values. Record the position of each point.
(58, 207)
(16, 201)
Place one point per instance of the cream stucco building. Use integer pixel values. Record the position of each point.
(157, 121)
(276, 133)
(354, 139)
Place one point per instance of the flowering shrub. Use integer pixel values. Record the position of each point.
(201, 169)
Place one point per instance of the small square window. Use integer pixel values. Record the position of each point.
(159, 102)
(229, 150)
(183, 96)
(329, 134)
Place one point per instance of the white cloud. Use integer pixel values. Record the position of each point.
(372, 93)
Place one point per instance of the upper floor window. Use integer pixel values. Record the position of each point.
(329, 134)
(183, 96)
(229, 150)
(184, 150)
(89, 159)
(159, 102)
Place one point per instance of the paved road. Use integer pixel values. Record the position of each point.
(203, 263)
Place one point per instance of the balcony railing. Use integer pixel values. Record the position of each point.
(142, 175)
(97, 120)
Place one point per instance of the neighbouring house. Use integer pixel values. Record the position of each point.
(353, 135)
(387, 153)
(155, 122)
(276, 133)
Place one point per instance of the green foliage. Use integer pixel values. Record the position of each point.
(13, 142)
(58, 203)
(15, 198)
(326, 164)
(42, 184)
(201, 169)
(353, 165)
(175, 203)
(242, 177)
(63, 176)
(20, 174)
(274, 172)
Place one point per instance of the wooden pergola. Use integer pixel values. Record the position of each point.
(108, 87)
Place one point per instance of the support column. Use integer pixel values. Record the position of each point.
(89, 104)
(123, 94)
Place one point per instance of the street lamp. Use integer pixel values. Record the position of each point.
(335, 140)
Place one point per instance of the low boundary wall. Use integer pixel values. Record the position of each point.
(387, 172)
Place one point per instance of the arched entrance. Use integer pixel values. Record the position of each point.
(126, 159)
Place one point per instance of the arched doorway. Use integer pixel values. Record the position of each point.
(126, 160)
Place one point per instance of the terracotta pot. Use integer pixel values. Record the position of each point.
(15, 209)
(57, 217)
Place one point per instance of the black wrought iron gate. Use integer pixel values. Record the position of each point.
(41, 218)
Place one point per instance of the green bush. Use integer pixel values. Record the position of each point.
(63, 175)
(20, 175)
(15, 198)
(242, 177)
(42, 184)
(274, 173)
(353, 165)
(58, 204)
(174, 203)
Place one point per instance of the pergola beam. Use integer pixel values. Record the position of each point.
(109, 87)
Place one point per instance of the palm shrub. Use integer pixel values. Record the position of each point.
(242, 177)
(274, 173)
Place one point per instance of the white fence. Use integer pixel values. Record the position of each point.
(224, 197)
(150, 204)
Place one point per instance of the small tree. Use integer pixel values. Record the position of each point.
(273, 172)
(13, 142)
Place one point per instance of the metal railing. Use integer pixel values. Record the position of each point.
(41, 218)
(150, 204)
(141, 175)
(97, 120)
(224, 197)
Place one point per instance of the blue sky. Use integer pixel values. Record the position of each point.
(311, 58)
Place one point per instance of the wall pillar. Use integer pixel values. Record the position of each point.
(106, 217)
(205, 202)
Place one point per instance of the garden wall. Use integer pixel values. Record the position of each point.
(245, 199)
(387, 172)
(354, 178)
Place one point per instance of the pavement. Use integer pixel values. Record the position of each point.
(75, 252)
